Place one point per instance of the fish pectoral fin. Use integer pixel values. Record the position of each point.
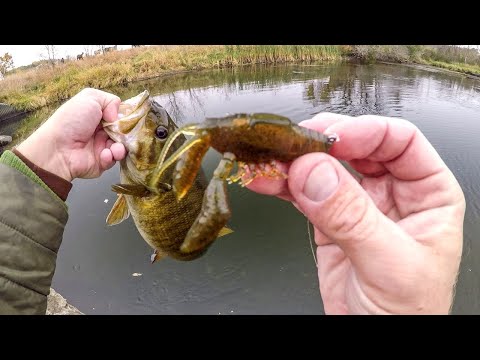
(157, 255)
(224, 231)
(119, 211)
(131, 189)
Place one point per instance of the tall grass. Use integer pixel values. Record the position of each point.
(372, 53)
(35, 88)
(454, 58)
(457, 67)
(452, 54)
(265, 54)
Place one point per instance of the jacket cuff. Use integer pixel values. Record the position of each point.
(58, 185)
(10, 159)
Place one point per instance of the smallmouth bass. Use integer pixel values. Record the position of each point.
(143, 126)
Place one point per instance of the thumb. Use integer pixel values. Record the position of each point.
(340, 209)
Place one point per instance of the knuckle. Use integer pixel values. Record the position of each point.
(88, 92)
(351, 216)
(323, 115)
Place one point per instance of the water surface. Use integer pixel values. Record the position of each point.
(266, 266)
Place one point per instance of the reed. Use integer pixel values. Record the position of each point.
(36, 87)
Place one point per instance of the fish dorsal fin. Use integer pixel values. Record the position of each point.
(131, 189)
(119, 211)
(224, 231)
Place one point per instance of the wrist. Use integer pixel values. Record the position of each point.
(43, 153)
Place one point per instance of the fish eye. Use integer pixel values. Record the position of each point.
(161, 132)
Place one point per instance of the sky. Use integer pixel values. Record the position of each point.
(26, 54)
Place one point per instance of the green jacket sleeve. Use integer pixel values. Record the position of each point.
(32, 221)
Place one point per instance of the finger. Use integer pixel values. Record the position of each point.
(110, 108)
(109, 143)
(322, 121)
(99, 143)
(109, 103)
(279, 187)
(286, 197)
(394, 142)
(376, 145)
(118, 151)
(321, 239)
(340, 209)
(333, 283)
(106, 159)
(266, 186)
(368, 167)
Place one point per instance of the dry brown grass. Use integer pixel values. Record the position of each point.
(34, 88)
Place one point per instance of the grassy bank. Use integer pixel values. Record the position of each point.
(34, 88)
(453, 58)
(458, 67)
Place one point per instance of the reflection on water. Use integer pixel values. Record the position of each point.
(266, 265)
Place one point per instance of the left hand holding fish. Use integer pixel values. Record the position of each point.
(71, 144)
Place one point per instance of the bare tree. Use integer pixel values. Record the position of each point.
(88, 50)
(50, 53)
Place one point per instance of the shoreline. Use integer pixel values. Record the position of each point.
(33, 88)
(434, 68)
(348, 59)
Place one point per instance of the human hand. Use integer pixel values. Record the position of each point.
(71, 143)
(391, 243)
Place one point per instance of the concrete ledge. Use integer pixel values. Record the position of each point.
(5, 140)
(57, 305)
(6, 111)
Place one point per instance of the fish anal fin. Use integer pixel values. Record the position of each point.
(224, 231)
(157, 256)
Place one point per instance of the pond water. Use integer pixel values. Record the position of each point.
(266, 265)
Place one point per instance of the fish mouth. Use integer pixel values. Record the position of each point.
(133, 104)
(130, 112)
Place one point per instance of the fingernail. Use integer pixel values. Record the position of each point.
(321, 182)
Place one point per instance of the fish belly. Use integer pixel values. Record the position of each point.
(164, 222)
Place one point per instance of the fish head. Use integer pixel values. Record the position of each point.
(143, 127)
